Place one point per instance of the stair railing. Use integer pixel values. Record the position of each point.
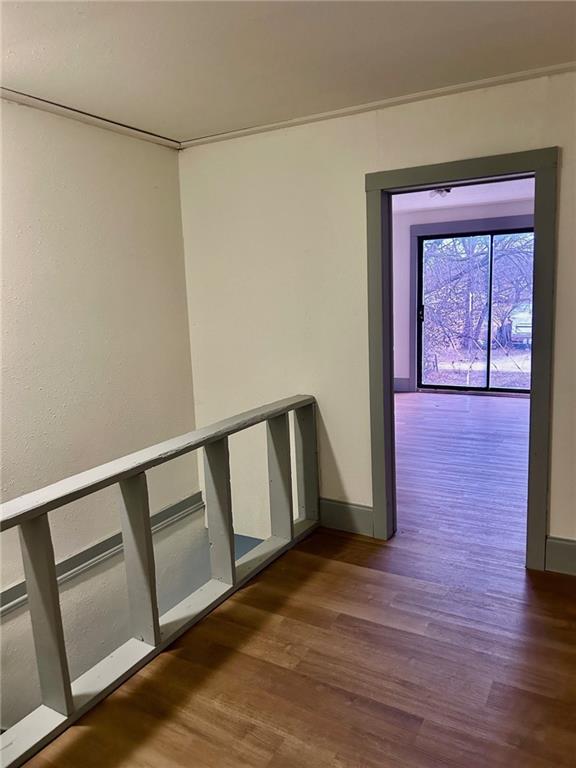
(65, 700)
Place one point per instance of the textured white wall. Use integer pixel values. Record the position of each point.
(95, 359)
(402, 222)
(275, 243)
(95, 353)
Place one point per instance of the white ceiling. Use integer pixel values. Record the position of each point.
(186, 70)
(469, 194)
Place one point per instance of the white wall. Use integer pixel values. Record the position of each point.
(401, 224)
(95, 357)
(275, 244)
(95, 350)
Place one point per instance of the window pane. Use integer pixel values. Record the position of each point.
(512, 278)
(455, 288)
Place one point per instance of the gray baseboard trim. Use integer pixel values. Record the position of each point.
(343, 516)
(561, 555)
(15, 596)
(403, 385)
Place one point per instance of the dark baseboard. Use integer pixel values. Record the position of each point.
(343, 516)
(561, 555)
(339, 515)
(357, 518)
(403, 385)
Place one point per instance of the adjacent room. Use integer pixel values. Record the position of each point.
(463, 271)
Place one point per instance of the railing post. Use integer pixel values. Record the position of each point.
(139, 559)
(218, 499)
(280, 477)
(45, 614)
(306, 459)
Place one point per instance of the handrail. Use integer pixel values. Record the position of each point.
(30, 505)
(291, 448)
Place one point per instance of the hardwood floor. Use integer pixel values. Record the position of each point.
(436, 649)
(462, 473)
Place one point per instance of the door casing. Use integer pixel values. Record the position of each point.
(542, 164)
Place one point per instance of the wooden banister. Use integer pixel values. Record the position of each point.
(64, 701)
(65, 491)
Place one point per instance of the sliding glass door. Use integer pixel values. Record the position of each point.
(511, 310)
(475, 311)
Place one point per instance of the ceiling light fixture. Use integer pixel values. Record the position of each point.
(440, 192)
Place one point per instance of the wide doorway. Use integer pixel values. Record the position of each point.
(462, 428)
(460, 277)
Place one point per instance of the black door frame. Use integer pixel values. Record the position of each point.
(483, 229)
(543, 165)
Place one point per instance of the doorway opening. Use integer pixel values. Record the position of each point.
(462, 462)
(461, 285)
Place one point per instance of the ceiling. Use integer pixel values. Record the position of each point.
(186, 70)
(508, 191)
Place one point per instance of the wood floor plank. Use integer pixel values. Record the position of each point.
(434, 650)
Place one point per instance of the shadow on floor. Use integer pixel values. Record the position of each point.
(110, 735)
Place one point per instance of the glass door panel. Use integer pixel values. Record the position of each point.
(454, 311)
(511, 316)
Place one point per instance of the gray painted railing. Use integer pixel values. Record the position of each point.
(63, 700)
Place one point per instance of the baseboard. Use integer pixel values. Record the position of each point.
(402, 385)
(357, 518)
(15, 596)
(343, 516)
(561, 555)
(339, 515)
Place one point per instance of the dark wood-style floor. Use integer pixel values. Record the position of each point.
(436, 649)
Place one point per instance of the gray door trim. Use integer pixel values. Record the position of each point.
(381, 353)
(543, 165)
(447, 228)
